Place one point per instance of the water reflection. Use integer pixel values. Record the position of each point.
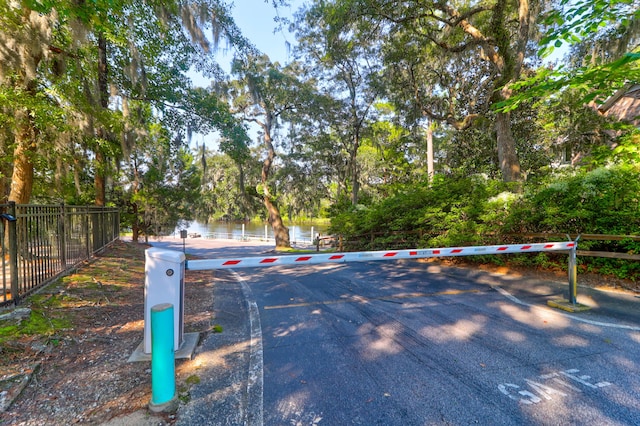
(252, 230)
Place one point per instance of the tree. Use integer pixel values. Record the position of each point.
(314, 137)
(386, 155)
(224, 193)
(264, 93)
(454, 60)
(603, 40)
(604, 37)
(163, 181)
(68, 70)
(345, 67)
(27, 41)
(302, 184)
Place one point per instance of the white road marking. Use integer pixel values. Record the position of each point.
(514, 299)
(544, 390)
(255, 383)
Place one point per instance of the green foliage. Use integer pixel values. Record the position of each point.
(626, 149)
(160, 184)
(602, 201)
(590, 25)
(42, 321)
(74, 69)
(572, 20)
(457, 211)
(450, 212)
(221, 194)
(588, 82)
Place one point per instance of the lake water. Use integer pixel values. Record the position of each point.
(230, 230)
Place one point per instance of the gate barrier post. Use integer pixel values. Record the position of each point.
(573, 273)
(571, 303)
(164, 283)
(163, 365)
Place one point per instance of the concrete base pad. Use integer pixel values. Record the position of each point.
(185, 351)
(166, 407)
(565, 305)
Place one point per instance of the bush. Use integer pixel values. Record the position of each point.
(602, 201)
(463, 211)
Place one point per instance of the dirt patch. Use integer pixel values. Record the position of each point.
(72, 367)
(587, 279)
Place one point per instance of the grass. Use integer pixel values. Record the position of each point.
(45, 319)
(291, 250)
(96, 283)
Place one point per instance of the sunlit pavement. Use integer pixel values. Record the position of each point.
(296, 340)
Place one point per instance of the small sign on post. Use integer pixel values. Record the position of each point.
(183, 235)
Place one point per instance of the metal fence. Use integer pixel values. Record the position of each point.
(41, 242)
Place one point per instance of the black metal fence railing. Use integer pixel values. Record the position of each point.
(40, 242)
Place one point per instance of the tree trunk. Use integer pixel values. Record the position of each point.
(135, 226)
(135, 187)
(280, 231)
(430, 153)
(5, 183)
(22, 176)
(353, 159)
(507, 155)
(355, 184)
(99, 179)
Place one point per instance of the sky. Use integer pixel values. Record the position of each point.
(256, 20)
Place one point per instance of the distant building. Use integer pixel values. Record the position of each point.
(624, 105)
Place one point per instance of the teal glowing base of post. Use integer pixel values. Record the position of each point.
(163, 366)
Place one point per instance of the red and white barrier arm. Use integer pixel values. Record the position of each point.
(364, 256)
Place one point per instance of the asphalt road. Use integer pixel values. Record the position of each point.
(394, 344)
(411, 343)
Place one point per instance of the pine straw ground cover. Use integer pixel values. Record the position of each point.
(64, 358)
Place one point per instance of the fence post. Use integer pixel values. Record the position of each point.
(116, 224)
(85, 229)
(62, 232)
(103, 227)
(13, 253)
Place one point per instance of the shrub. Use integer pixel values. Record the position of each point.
(462, 211)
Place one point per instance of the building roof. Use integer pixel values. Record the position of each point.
(624, 104)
